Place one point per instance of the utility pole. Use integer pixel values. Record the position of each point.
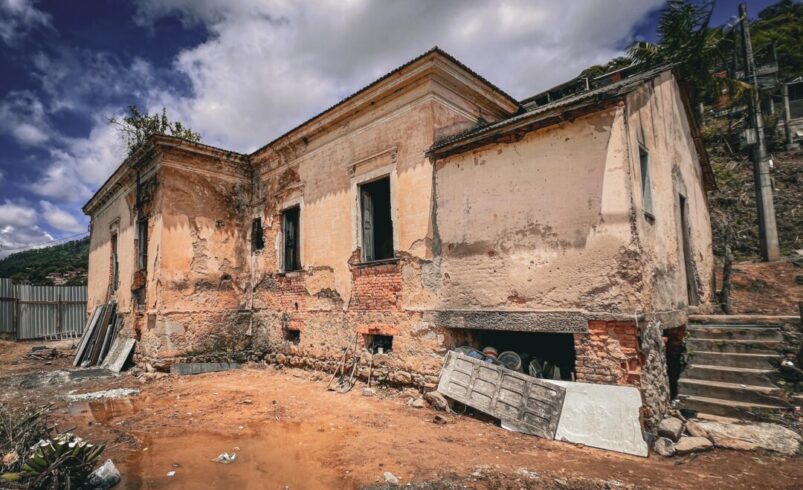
(768, 231)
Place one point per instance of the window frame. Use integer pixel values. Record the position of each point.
(361, 222)
(645, 173)
(296, 245)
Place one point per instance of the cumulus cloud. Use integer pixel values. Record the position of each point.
(60, 219)
(22, 116)
(269, 65)
(18, 228)
(18, 18)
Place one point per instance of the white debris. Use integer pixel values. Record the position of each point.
(225, 458)
(99, 395)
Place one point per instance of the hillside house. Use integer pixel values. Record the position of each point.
(426, 211)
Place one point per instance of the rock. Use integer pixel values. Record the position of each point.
(694, 429)
(747, 436)
(437, 401)
(149, 368)
(367, 391)
(10, 458)
(402, 377)
(281, 358)
(417, 403)
(440, 420)
(664, 446)
(104, 477)
(391, 478)
(671, 428)
(688, 445)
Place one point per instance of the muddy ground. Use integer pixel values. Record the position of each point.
(289, 432)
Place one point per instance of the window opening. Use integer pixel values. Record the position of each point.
(377, 224)
(257, 240)
(291, 235)
(142, 243)
(114, 266)
(646, 184)
(379, 344)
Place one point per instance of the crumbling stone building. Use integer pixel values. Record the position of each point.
(426, 211)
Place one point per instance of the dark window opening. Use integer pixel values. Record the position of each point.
(257, 239)
(114, 265)
(379, 344)
(691, 284)
(674, 339)
(377, 224)
(646, 184)
(291, 235)
(541, 355)
(142, 244)
(293, 336)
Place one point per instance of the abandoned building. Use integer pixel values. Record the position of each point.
(427, 211)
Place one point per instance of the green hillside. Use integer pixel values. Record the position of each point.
(33, 266)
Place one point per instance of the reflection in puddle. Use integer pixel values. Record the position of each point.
(277, 457)
(103, 411)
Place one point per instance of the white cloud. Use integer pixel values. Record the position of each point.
(18, 228)
(15, 214)
(22, 115)
(60, 219)
(18, 18)
(267, 66)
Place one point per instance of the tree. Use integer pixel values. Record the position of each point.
(782, 25)
(136, 127)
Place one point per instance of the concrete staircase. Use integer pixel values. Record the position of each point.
(729, 368)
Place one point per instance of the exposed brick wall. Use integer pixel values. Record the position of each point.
(608, 353)
(376, 287)
(285, 292)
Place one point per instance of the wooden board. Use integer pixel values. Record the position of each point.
(101, 335)
(527, 404)
(119, 354)
(87, 335)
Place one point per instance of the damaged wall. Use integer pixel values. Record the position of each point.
(542, 223)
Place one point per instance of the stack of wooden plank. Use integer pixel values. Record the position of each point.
(101, 330)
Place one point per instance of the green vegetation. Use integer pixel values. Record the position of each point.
(33, 266)
(137, 127)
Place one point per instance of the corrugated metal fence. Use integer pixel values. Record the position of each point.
(37, 312)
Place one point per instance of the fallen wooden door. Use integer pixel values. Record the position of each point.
(522, 402)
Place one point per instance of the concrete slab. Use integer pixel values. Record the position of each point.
(602, 416)
(202, 367)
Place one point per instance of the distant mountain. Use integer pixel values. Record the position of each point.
(60, 264)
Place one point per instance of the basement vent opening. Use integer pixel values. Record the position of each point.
(538, 354)
(293, 336)
(379, 344)
(257, 239)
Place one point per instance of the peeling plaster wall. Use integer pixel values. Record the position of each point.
(657, 119)
(540, 224)
(202, 275)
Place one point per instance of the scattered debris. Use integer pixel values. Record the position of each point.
(694, 429)
(11, 458)
(440, 420)
(171, 474)
(688, 445)
(98, 395)
(190, 368)
(225, 458)
(105, 477)
(44, 354)
(367, 391)
(671, 428)
(391, 478)
(664, 447)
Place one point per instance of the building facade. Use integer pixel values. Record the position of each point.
(427, 211)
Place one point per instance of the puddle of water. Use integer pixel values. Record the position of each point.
(103, 411)
(280, 456)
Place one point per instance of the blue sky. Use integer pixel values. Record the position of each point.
(243, 71)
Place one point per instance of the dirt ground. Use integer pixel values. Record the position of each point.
(289, 432)
(764, 289)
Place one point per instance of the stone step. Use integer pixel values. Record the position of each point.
(732, 391)
(728, 374)
(742, 346)
(726, 408)
(735, 332)
(731, 359)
